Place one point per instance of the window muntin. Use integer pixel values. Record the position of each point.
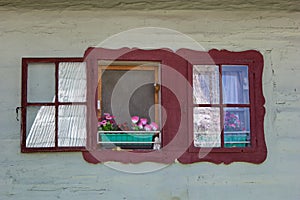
(233, 128)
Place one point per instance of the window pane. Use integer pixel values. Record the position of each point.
(207, 127)
(128, 93)
(206, 84)
(72, 82)
(41, 82)
(235, 84)
(40, 126)
(72, 125)
(236, 127)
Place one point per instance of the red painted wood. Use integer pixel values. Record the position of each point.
(52, 149)
(56, 103)
(24, 103)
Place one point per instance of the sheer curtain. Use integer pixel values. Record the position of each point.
(235, 85)
(230, 87)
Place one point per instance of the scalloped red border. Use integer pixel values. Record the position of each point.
(181, 60)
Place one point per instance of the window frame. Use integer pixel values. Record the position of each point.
(25, 103)
(170, 149)
(257, 152)
(137, 67)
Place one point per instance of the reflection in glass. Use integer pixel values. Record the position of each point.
(41, 82)
(72, 82)
(40, 126)
(235, 84)
(236, 127)
(207, 127)
(205, 84)
(72, 125)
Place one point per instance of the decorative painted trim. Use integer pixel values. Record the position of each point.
(177, 141)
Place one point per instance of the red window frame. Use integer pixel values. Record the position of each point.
(257, 152)
(25, 104)
(171, 148)
(177, 141)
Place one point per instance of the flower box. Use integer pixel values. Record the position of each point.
(139, 135)
(127, 139)
(235, 140)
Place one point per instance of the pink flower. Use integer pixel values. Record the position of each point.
(144, 121)
(108, 117)
(154, 126)
(140, 125)
(147, 128)
(135, 119)
(103, 122)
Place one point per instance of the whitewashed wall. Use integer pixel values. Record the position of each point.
(26, 32)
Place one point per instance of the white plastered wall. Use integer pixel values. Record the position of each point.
(67, 176)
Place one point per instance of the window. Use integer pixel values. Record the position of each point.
(221, 106)
(226, 107)
(209, 105)
(53, 104)
(170, 66)
(129, 92)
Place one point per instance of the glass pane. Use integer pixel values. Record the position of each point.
(206, 84)
(40, 125)
(41, 82)
(207, 127)
(72, 82)
(128, 93)
(72, 125)
(236, 127)
(235, 84)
